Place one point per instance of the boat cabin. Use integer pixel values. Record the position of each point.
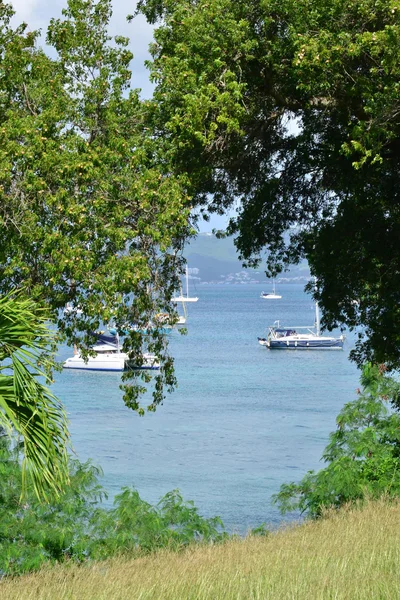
(281, 332)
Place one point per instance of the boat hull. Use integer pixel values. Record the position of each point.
(105, 362)
(270, 296)
(327, 344)
(109, 362)
(184, 299)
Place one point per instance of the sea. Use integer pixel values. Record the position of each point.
(243, 420)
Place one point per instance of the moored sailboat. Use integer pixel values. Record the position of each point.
(271, 295)
(298, 338)
(182, 297)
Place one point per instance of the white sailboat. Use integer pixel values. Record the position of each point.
(271, 295)
(186, 298)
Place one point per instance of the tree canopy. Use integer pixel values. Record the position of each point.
(288, 111)
(89, 212)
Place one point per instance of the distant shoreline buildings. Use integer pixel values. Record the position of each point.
(214, 261)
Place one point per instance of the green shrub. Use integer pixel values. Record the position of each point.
(74, 526)
(363, 454)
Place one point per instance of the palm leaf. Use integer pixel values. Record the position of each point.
(26, 404)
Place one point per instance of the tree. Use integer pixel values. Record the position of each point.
(289, 111)
(363, 454)
(89, 211)
(27, 407)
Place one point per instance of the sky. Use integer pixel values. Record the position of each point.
(37, 14)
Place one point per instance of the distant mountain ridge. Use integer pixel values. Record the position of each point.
(215, 260)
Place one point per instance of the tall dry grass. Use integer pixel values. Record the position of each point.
(353, 554)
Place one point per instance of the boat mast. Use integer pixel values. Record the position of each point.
(317, 319)
(187, 282)
(184, 310)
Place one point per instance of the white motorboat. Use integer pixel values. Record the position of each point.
(301, 338)
(108, 357)
(271, 295)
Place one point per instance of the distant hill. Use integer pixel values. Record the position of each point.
(213, 260)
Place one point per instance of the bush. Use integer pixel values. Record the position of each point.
(363, 454)
(76, 527)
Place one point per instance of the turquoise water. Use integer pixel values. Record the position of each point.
(243, 420)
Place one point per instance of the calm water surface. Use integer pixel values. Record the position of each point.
(243, 420)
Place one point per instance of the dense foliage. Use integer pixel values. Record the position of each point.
(363, 454)
(288, 111)
(75, 527)
(89, 212)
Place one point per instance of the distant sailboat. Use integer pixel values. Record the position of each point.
(271, 295)
(186, 298)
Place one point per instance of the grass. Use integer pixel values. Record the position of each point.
(353, 554)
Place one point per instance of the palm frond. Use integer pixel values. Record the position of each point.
(26, 403)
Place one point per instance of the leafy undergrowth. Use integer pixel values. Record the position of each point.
(75, 528)
(349, 554)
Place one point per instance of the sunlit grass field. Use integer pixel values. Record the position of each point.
(352, 554)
